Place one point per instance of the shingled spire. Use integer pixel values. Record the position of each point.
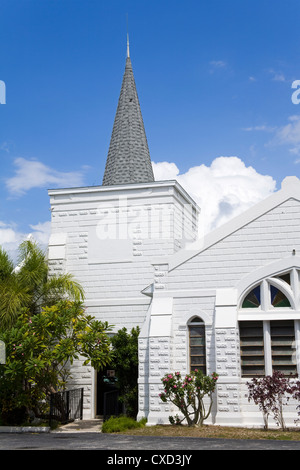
(128, 160)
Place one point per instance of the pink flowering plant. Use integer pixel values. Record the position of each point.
(188, 393)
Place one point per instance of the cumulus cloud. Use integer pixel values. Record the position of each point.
(34, 174)
(11, 236)
(41, 232)
(222, 190)
(7, 234)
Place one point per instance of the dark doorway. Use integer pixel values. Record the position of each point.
(106, 384)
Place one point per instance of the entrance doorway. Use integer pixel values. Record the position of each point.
(107, 393)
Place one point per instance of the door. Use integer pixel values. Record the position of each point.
(106, 382)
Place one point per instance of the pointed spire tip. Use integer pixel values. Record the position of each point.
(128, 55)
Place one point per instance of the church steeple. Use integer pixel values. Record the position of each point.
(128, 160)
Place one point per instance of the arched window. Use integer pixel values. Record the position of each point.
(252, 300)
(277, 298)
(197, 345)
(270, 293)
(267, 325)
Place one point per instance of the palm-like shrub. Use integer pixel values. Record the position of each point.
(29, 286)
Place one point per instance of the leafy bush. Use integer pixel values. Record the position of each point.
(39, 349)
(122, 423)
(271, 393)
(126, 362)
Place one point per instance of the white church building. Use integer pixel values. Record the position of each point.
(228, 302)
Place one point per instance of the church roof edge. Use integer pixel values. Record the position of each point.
(290, 189)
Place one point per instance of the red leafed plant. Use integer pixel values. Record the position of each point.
(271, 393)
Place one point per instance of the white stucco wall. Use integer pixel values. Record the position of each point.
(107, 237)
(153, 279)
(208, 280)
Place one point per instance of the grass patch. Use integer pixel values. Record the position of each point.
(209, 431)
(121, 424)
(129, 426)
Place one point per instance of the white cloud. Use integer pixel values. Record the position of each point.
(263, 128)
(277, 76)
(34, 174)
(290, 135)
(217, 65)
(165, 171)
(7, 234)
(11, 236)
(41, 232)
(222, 190)
(4, 146)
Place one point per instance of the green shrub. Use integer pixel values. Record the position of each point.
(126, 364)
(39, 349)
(121, 423)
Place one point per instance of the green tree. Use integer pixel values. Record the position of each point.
(188, 395)
(39, 351)
(125, 362)
(29, 286)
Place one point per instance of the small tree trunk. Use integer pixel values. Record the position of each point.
(266, 425)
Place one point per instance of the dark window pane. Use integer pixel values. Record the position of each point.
(252, 348)
(197, 341)
(196, 330)
(278, 299)
(252, 300)
(197, 351)
(285, 277)
(197, 346)
(283, 346)
(196, 320)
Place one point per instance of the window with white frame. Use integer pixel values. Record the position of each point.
(197, 344)
(269, 325)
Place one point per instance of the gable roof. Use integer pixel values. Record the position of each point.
(290, 189)
(128, 160)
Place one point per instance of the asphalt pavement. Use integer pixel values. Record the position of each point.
(86, 435)
(135, 444)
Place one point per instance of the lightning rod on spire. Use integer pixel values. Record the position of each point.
(128, 45)
(128, 55)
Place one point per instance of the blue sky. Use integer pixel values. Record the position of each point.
(214, 79)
